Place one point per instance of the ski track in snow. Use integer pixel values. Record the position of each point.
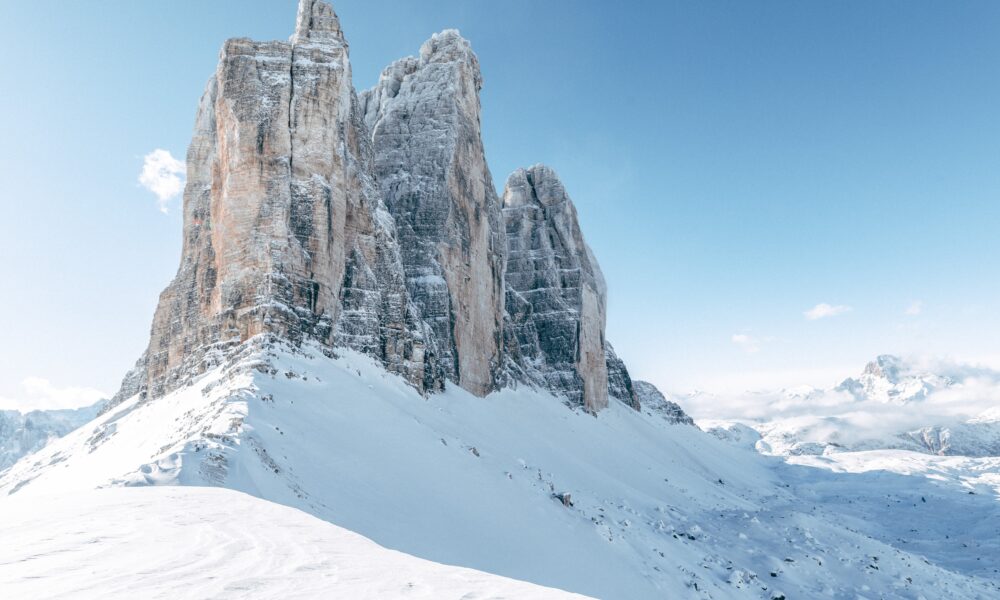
(657, 509)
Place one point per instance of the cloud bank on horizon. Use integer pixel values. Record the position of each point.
(38, 393)
(972, 392)
(163, 175)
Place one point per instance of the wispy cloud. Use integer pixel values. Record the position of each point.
(824, 310)
(163, 175)
(38, 393)
(747, 343)
(914, 308)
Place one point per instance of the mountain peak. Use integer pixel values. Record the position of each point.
(541, 185)
(446, 46)
(316, 21)
(886, 366)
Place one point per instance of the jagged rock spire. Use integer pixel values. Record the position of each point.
(317, 22)
(556, 295)
(284, 229)
(424, 120)
(373, 223)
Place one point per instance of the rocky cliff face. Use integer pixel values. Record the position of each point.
(555, 291)
(372, 223)
(424, 117)
(653, 400)
(620, 385)
(284, 229)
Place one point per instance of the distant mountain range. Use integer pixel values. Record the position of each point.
(24, 433)
(942, 408)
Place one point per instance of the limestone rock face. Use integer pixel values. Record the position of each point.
(424, 119)
(555, 292)
(620, 385)
(653, 400)
(284, 229)
(371, 222)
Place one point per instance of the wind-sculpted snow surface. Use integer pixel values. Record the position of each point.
(213, 543)
(625, 505)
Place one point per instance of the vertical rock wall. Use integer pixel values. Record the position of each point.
(284, 229)
(424, 118)
(372, 223)
(555, 291)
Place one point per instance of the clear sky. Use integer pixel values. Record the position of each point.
(734, 164)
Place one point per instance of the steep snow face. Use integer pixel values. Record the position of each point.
(933, 407)
(212, 543)
(621, 505)
(24, 433)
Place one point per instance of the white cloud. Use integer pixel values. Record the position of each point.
(40, 394)
(823, 310)
(163, 175)
(915, 308)
(748, 343)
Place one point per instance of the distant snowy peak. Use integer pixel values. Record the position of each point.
(892, 380)
(933, 407)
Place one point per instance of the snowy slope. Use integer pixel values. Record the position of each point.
(653, 509)
(24, 433)
(212, 543)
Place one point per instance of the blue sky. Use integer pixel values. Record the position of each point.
(734, 164)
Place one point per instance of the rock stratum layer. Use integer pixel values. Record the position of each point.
(372, 223)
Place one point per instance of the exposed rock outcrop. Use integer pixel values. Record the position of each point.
(284, 229)
(372, 223)
(654, 401)
(556, 295)
(620, 384)
(424, 121)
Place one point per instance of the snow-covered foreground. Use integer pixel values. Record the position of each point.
(190, 542)
(653, 510)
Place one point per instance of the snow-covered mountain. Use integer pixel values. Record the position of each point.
(621, 505)
(362, 330)
(24, 433)
(891, 380)
(935, 407)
